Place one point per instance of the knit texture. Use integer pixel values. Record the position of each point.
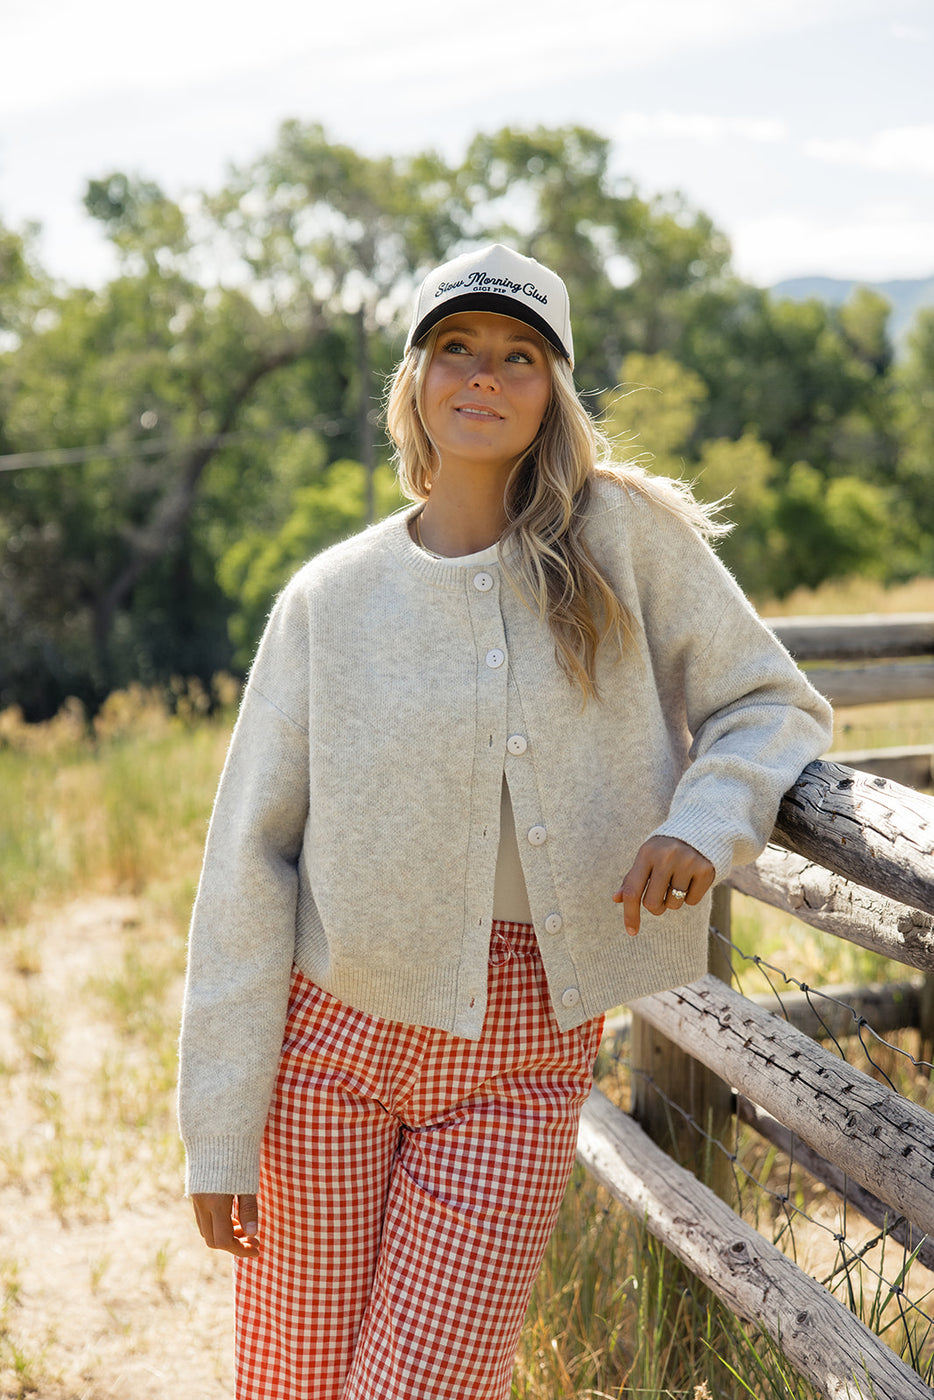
(357, 822)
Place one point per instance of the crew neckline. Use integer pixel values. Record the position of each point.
(436, 568)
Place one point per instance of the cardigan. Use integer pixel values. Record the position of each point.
(356, 825)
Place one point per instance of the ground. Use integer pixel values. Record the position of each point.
(105, 1287)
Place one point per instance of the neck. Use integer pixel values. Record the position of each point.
(458, 521)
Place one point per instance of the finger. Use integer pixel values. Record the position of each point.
(656, 893)
(247, 1216)
(679, 892)
(700, 884)
(631, 890)
(215, 1216)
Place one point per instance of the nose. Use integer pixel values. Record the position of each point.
(484, 371)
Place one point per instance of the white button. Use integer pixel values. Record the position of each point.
(495, 658)
(537, 836)
(483, 582)
(517, 743)
(554, 923)
(570, 997)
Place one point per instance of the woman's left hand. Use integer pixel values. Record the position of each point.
(666, 874)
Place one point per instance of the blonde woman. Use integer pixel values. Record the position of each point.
(492, 756)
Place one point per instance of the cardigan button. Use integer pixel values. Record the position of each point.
(537, 836)
(517, 743)
(554, 923)
(495, 658)
(483, 582)
(570, 997)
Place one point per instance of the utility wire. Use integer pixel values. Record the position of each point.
(148, 447)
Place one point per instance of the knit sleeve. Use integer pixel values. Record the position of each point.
(753, 719)
(243, 927)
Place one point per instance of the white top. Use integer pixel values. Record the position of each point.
(510, 897)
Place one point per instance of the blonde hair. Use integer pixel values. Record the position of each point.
(546, 499)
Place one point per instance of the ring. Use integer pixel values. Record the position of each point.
(678, 894)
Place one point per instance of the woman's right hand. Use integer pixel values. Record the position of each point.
(228, 1222)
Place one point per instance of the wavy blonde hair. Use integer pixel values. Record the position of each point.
(546, 499)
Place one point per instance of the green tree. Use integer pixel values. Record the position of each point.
(655, 412)
(330, 507)
(328, 235)
(914, 409)
(141, 383)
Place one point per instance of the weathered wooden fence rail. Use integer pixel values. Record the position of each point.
(857, 859)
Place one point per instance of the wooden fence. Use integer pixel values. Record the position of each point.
(852, 853)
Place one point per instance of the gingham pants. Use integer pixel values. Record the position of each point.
(410, 1180)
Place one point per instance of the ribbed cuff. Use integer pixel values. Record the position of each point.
(705, 832)
(222, 1164)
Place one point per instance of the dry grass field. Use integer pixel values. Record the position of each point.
(106, 1292)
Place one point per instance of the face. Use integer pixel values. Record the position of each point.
(486, 390)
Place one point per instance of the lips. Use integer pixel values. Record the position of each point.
(477, 410)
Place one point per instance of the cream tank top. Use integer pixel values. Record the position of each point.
(510, 898)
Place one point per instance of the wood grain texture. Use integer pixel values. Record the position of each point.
(868, 829)
(856, 637)
(874, 1134)
(820, 1337)
(832, 903)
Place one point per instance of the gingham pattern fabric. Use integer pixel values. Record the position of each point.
(410, 1180)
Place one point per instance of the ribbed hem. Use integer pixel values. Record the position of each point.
(222, 1164)
(678, 942)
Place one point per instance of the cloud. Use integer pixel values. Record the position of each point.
(57, 50)
(700, 127)
(907, 150)
(871, 244)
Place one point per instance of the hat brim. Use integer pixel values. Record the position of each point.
(488, 301)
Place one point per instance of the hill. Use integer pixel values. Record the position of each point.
(906, 296)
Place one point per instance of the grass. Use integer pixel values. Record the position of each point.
(118, 808)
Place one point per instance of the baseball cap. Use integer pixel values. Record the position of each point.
(496, 279)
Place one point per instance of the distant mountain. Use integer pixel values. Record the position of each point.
(906, 296)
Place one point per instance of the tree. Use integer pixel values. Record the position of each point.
(155, 369)
(655, 412)
(327, 234)
(914, 409)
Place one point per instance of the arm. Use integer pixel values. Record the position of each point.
(242, 937)
(752, 719)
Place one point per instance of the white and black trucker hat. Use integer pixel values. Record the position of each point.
(496, 279)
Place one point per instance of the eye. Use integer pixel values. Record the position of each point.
(454, 347)
(521, 357)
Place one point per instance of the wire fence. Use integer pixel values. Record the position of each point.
(878, 1277)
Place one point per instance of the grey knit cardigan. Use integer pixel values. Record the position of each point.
(356, 826)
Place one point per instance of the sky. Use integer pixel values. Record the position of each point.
(804, 128)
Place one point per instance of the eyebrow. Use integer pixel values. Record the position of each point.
(516, 337)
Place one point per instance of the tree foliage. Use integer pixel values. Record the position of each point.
(209, 417)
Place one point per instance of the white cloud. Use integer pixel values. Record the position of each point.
(874, 244)
(905, 149)
(57, 50)
(697, 126)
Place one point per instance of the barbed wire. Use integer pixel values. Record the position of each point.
(861, 1024)
(850, 1256)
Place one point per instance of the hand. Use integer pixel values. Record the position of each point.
(665, 875)
(228, 1222)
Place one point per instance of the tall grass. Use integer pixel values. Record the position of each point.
(120, 806)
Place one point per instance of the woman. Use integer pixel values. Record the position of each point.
(461, 728)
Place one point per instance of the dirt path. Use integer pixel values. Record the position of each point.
(105, 1288)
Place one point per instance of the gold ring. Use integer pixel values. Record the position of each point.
(678, 894)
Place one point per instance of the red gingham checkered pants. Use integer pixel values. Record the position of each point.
(410, 1180)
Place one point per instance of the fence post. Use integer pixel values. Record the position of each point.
(656, 1060)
